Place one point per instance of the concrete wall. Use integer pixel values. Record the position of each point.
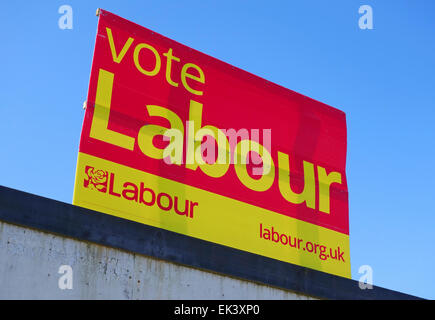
(114, 258)
(30, 261)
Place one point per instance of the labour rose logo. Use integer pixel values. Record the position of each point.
(96, 179)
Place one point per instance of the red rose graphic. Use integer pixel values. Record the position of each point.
(96, 179)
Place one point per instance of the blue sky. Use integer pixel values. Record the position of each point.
(384, 79)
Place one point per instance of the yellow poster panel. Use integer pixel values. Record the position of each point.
(135, 195)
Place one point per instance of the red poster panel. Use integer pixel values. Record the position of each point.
(179, 140)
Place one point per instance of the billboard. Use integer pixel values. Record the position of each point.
(178, 140)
